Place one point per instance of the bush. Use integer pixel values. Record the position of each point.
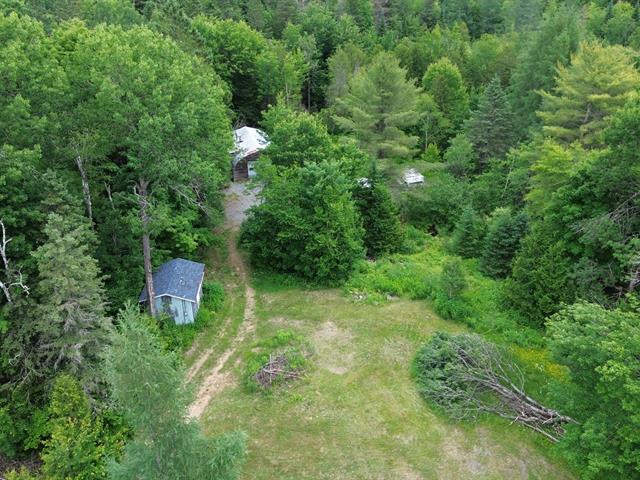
(181, 337)
(437, 205)
(307, 225)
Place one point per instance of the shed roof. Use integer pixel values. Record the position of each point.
(177, 278)
(248, 140)
(412, 177)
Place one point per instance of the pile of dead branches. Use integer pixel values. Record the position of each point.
(466, 376)
(276, 370)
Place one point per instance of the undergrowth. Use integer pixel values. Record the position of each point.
(181, 337)
(417, 276)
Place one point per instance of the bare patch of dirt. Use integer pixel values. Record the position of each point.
(333, 347)
(238, 201)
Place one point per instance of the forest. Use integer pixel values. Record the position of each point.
(499, 296)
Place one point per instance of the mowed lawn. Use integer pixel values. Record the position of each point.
(356, 414)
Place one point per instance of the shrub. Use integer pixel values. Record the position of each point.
(307, 225)
(437, 205)
(181, 337)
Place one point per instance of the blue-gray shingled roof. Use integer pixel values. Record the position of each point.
(177, 278)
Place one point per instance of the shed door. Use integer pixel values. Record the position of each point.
(251, 167)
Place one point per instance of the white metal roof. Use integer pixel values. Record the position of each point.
(412, 176)
(248, 140)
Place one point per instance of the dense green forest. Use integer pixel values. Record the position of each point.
(116, 121)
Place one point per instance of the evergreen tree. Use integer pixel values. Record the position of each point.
(382, 229)
(540, 280)
(443, 82)
(74, 450)
(490, 127)
(468, 234)
(502, 241)
(380, 106)
(452, 280)
(552, 44)
(70, 323)
(154, 398)
(598, 82)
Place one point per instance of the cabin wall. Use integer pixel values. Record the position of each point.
(182, 311)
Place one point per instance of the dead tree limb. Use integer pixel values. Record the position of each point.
(466, 375)
(11, 278)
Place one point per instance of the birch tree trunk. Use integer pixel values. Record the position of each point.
(145, 219)
(86, 191)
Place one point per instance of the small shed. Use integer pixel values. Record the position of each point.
(178, 289)
(412, 177)
(249, 143)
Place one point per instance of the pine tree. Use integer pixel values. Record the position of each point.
(490, 127)
(154, 398)
(598, 82)
(382, 229)
(443, 82)
(540, 280)
(468, 234)
(380, 106)
(452, 280)
(71, 326)
(553, 43)
(502, 241)
(74, 450)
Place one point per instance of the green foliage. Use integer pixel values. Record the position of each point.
(293, 347)
(452, 280)
(553, 44)
(599, 80)
(379, 214)
(380, 106)
(468, 234)
(504, 231)
(70, 323)
(154, 399)
(417, 276)
(437, 205)
(233, 48)
(73, 452)
(307, 225)
(443, 82)
(540, 280)
(297, 138)
(601, 349)
(490, 126)
(280, 73)
(460, 157)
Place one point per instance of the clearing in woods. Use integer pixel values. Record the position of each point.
(356, 414)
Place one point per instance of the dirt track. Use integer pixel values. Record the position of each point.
(238, 200)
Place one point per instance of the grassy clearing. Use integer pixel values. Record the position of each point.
(356, 413)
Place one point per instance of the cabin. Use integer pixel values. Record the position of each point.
(412, 177)
(249, 143)
(178, 289)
